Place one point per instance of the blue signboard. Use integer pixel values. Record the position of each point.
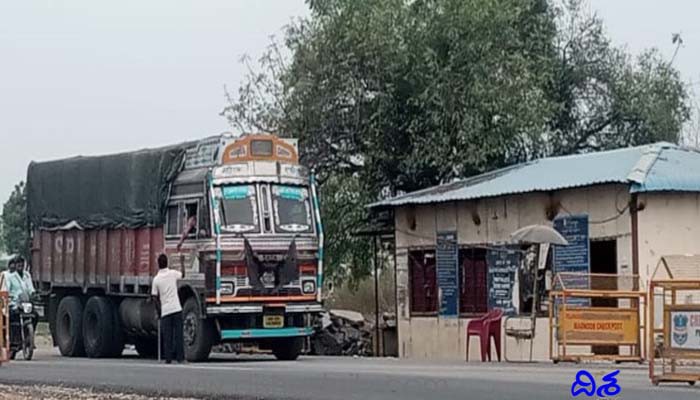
(236, 192)
(448, 274)
(290, 193)
(574, 257)
(502, 267)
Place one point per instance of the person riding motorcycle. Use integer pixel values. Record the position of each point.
(15, 283)
(26, 277)
(28, 284)
(19, 292)
(18, 283)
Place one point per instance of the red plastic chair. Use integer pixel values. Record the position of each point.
(479, 327)
(494, 331)
(486, 327)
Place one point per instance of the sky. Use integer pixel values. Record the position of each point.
(87, 77)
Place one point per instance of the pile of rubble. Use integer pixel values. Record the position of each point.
(342, 333)
(337, 333)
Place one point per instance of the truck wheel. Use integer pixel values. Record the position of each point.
(99, 333)
(146, 347)
(69, 327)
(118, 340)
(287, 349)
(197, 332)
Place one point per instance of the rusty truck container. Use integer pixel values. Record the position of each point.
(118, 261)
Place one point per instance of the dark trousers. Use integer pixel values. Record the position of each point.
(173, 342)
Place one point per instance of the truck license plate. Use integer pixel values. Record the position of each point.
(273, 321)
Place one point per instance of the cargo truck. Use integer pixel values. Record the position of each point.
(239, 215)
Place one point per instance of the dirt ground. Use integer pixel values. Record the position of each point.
(16, 392)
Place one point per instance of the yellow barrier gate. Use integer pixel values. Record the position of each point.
(4, 328)
(674, 341)
(590, 312)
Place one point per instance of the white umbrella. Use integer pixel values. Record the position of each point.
(535, 234)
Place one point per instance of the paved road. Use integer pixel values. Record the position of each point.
(314, 378)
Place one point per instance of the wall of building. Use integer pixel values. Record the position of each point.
(490, 221)
(669, 224)
(438, 338)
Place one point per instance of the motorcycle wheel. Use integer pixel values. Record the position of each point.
(28, 345)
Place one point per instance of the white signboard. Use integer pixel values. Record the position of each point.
(685, 330)
(542, 260)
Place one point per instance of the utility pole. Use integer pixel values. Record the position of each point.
(376, 295)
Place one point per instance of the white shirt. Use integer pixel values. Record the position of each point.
(165, 287)
(28, 284)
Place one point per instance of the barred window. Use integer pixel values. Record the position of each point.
(422, 275)
(473, 295)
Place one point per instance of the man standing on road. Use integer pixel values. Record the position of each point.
(164, 289)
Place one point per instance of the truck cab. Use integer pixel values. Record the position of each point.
(243, 223)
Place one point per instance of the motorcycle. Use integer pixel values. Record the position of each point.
(22, 325)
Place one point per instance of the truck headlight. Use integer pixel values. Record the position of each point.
(268, 279)
(27, 308)
(309, 287)
(227, 288)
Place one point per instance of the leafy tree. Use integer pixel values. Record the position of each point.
(389, 96)
(348, 256)
(14, 222)
(605, 98)
(2, 244)
(422, 92)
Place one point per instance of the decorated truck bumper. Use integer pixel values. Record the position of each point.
(270, 333)
(250, 322)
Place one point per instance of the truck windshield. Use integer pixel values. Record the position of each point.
(238, 208)
(292, 209)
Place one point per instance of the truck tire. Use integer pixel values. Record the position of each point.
(146, 347)
(287, 349)
(99, 331)
(69, 327)
(118, 339)
(198, 333)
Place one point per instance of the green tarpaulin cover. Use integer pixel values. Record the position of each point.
(127, 190)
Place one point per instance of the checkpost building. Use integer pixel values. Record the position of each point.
(637, 205)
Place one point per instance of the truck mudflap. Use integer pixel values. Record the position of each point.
(269, 333)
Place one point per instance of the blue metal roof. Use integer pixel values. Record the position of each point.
(675, 169)
(655, 167)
